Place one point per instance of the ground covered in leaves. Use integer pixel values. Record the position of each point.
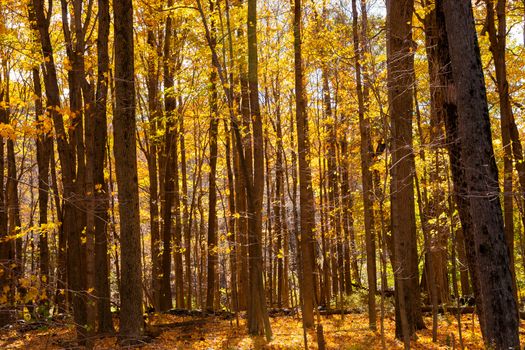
(172, 332)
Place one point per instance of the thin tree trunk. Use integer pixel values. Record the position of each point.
(102, 284)
(366, 175)
(43, 154)
(213, 252)
(306, 196)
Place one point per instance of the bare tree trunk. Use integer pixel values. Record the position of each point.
(213, 252)
(6, 245)
(477, 179)
(71, 223)
(152, 159)
(131, 321)
(400, 85)
(167, 167)
(512, 147)
(43, 154)
(306, 196)
(258, 321)
(102, 285)
(366, 175)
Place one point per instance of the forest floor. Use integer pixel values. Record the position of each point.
(351, 332)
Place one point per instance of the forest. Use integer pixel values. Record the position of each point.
(243, 174)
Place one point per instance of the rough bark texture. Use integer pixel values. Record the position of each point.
(488, 252)
(258, 321)
(131, 322)
(400, 93)
(509, 132)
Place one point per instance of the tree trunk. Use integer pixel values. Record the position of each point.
(102, 285)
(213, 249)
(258, 321)
(306, 196)
(509, 133)
(131, 321)
(400, 85)
(366, 176)
(152, 159)
(43, 154)
(477, 180)
(6, 245)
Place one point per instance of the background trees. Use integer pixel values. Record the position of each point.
(284, 149)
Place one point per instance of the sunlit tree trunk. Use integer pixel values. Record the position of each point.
(306, 196)
(258, 321)
(366, 175)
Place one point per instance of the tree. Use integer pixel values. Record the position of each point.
(513, 149)
(124, 133)
(100, 135)
(306, 196)
(400, 84)
(488, 252)
(258, 322)
(366, 176)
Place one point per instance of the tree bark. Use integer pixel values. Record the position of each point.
(131, 321)
(400, 84)
(366, 177)
(258, 321)
(102, 285)
(478, 178)
(512, 147)
(306, 196)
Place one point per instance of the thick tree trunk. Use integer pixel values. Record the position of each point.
(258, 321)
(512, 147)
(477, 182)
(131, 321)
(400, 85)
